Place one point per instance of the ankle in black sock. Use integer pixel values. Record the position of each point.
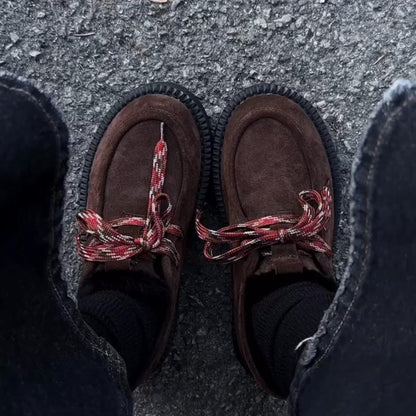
(281, 320)
(130, 325)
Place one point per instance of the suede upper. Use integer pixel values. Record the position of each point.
(271, 152)
(120, 179)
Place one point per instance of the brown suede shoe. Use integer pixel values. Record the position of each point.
(274, 183)
(140, 186)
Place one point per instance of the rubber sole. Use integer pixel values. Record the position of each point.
(361, 361)
(313, 114)
(172, 90)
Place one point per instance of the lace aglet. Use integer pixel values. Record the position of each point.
(162, 130)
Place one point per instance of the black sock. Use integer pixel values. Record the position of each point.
(130, 325)
(283, 319)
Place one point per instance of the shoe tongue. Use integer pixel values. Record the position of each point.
(286, 259)
(146, 266)
(143, 265)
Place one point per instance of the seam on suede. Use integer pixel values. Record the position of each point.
(165, 113)
(300, 132)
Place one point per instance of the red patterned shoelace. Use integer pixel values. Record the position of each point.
(108, 244)
(263, 232)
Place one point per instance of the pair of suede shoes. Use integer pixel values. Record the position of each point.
(272, 165)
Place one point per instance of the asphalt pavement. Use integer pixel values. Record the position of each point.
(340, 54)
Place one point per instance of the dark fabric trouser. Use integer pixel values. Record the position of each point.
(51, 362)
(362, 360)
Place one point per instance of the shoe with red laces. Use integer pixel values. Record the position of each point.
(274, 183)
(139, 190)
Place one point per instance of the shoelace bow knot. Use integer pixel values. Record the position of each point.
(263, 232)
(108, 244)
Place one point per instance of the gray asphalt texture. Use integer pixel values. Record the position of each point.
(340, 54)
